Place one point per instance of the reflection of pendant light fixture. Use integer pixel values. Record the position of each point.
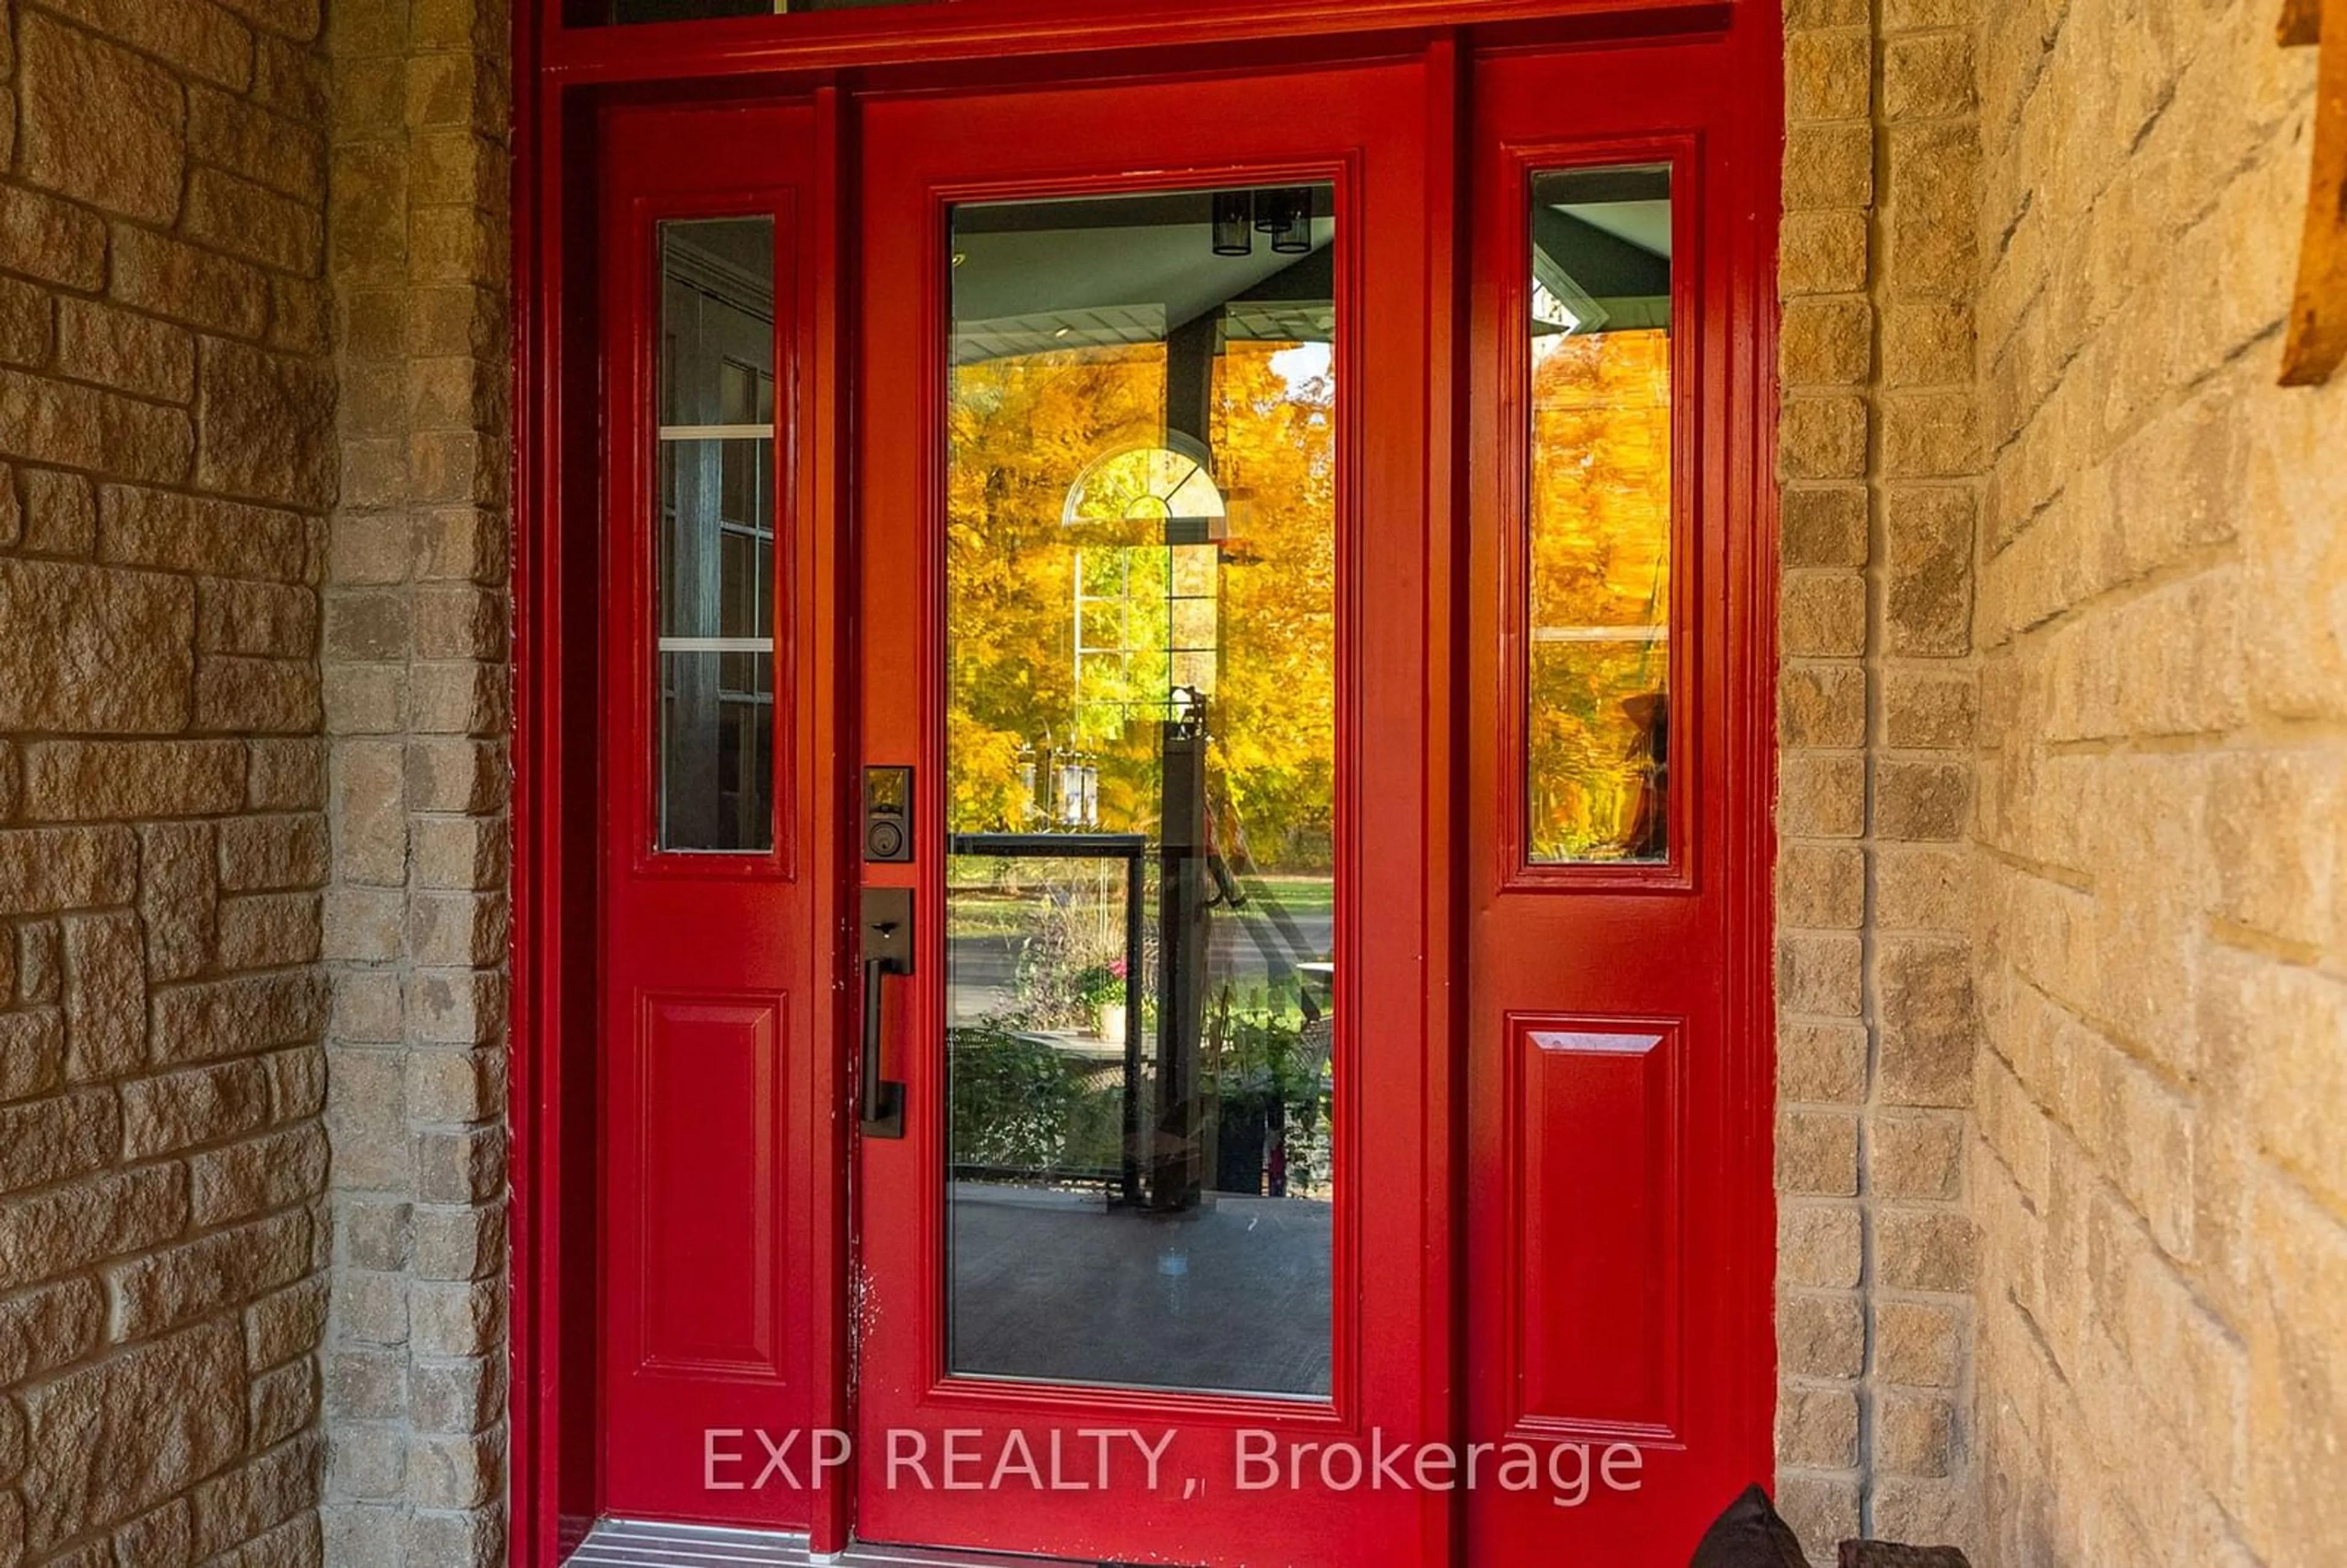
(1286, 216)
(1234, 224)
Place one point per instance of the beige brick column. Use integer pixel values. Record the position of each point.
(165, 462)
(1878, 707)
(417, 690)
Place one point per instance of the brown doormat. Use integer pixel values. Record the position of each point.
(1884, 1555)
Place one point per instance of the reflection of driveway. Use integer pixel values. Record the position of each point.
(983, 970)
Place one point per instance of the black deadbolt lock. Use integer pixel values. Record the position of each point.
(887, 815)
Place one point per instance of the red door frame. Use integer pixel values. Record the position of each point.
(560, 76)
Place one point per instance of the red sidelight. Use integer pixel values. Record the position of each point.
(1619, 1230)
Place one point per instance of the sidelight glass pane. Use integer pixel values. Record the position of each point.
(1142, 757)
(714, 615)
(1597, 762)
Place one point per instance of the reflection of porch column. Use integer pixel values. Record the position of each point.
(1175, 1176)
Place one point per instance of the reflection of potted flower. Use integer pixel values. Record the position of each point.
(1103, 989)
(1261, 1068)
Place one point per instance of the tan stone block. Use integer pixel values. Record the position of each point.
(463, 854)
(455, 1086)
(71, 426)
(286, 776)
(1921, 887)
(53, 241)
(258, 696)
(260, 618)
(32, 1051)
(366, 1116)
(1822, 1507)
(1820, 886)
(1826, 341)
(455, 930)
(1921, 801)
(1818, 1245)
(465, 623)
(1915, 1156)
(101, 780)
(282, 1402)
(1824, 525)
(1817, 1154)
(1822, 1063)
(285, 1323)
(1931, 434)
(47, 1234)
(1934, 186)
(300, 316)
(363, 926)
(457, 1396)
(164, 1537)
(164, 1290)
(1817, 974)
(1822, 615)
(1931, 568)
(1829, 76)
(259, 853)
(234, 133)
(40, 963)
(1828, 165)
(1924, 989)
(462, 1243)
(1929, 76)
(1928, 710)
(454, 1320)
(1822, 438)
(466, 544)
(28, 330)
(237, 1017)
(1927, 344)
(366, 699)
(1820, 1334)
(369, 626)
(297, 1083)
(185, 282)
(57, 868)
(1823, 252)
(139, 527)
(58, 1138)
(269, 930)
(101, 125)
(1822, 705)
(268, 424)
(454, 89)
(1817, 1426)
(48, 1327)
(177, 894)
(1923, 1249)
(180, 1111)
(116, 1437)
(1821, 797)
(454, 1470)
(1804, 15)
(199, 39)
(120, 349)
(462, 698)
(60, 515)
(370, 805)
(463, 1007)
(456, 775)
(104, 995)
(248, 219)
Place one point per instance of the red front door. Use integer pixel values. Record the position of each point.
(1148, 505)
(1181, 970)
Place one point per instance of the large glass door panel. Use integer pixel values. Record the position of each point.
(1141, 761)
(1143, 460)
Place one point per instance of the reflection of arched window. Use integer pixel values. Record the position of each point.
(1148, 582)
(1170, 481)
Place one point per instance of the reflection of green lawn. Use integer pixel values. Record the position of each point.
(1002, 912)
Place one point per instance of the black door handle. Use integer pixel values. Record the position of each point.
(887, 951)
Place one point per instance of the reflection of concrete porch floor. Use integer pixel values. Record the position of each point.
(1061, 1287)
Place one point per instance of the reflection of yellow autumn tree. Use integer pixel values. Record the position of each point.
(1599, 584)
(1023, 429)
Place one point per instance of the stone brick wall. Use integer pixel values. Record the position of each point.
(1878, 701)
(418, 704)
(2162, 1175)
(166, 460)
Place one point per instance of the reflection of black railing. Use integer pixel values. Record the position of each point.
(1132, 848)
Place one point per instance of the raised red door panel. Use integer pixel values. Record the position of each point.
(1595, 1153)
(711, 1117)
(716, 795)
(1363, 132)
(1619, 1218)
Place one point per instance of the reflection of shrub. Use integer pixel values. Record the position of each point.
(1019, 1109)
(1011, 1100)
